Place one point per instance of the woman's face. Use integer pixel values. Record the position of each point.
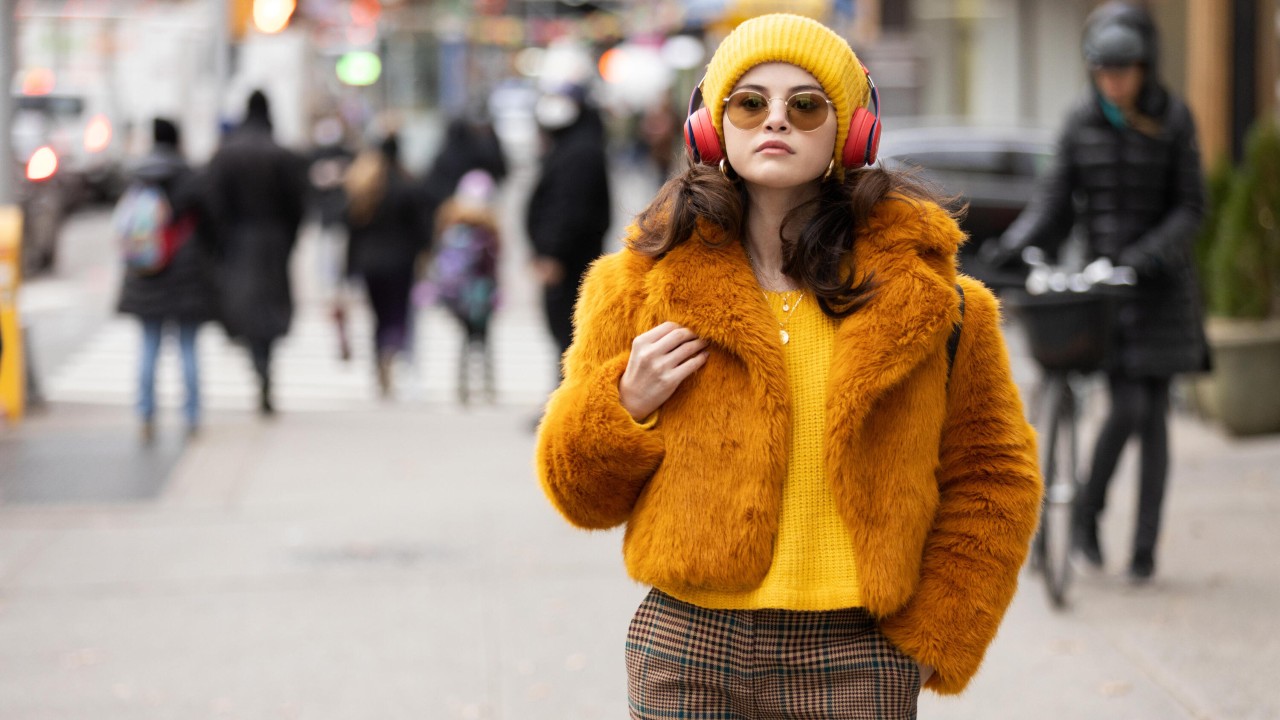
(775, 153)
(1120, 85)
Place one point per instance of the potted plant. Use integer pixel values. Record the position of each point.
(1239, 252)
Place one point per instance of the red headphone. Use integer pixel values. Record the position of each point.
(860, 147)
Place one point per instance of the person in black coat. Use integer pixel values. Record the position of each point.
(257, 193)
(569, 211)
(387, 231)
(1128, 156)
(181, 292)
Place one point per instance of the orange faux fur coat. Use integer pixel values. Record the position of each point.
(940, 489)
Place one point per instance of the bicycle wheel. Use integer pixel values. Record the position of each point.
(1060, 467)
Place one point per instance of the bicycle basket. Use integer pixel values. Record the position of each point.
(1066, 330)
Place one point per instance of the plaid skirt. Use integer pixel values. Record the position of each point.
(685, 661)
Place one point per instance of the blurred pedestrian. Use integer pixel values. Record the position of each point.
(657, 131)
(469, 143)
(819, 452)
(257, 195)
(464, 273)
(173, 285)
(569, 211)
(330, 158)
(387, 231)
(1128, 153)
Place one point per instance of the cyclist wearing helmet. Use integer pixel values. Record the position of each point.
(1128, 153)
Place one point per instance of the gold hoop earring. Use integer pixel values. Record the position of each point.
(831, 167)
(725, 169)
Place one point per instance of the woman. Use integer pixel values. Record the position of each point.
(831, 511)
(1129, 150)
(387, 231)
(181, 293)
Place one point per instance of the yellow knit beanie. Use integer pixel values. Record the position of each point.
(787, 38)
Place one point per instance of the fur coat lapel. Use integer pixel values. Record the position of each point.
(908, 247)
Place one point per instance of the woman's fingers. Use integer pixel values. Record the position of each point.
(683, 352)
(681, 372)
(651, 335)
(674, 338)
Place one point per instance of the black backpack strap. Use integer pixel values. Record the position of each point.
(953, 342)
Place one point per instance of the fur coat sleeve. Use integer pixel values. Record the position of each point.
(593, 459)
(989, 499)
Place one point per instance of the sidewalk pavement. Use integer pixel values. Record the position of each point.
(402, 563)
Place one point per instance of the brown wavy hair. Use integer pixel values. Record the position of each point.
(828, 225)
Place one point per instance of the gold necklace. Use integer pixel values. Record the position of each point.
(788, 307)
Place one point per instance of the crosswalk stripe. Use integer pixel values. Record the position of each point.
(307, 371)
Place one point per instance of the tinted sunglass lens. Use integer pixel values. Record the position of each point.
(807, 110)
(747, 110)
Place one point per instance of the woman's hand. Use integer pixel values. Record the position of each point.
(660, 360)
(548, 270)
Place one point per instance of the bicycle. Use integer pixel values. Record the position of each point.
(1068, 318)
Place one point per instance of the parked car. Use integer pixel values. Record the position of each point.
(81, 130)
(992, 169)
(65, 155)
(44, 199)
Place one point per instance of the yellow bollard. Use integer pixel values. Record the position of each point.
(12, 372)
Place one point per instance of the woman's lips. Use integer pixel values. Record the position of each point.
(775, 147)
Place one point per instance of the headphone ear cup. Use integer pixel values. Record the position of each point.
(863, 143)
(700, 138)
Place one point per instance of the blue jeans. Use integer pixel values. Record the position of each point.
(152, 332)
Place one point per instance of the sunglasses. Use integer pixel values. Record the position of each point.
(806, 111)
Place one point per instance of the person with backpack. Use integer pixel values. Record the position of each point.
(387, 231)
(464, 272)
(168, 267)
(804, 416)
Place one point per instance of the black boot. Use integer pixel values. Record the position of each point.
(265, 407)
(1143, 567)
(1085, 533)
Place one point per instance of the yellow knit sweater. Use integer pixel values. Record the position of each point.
(813, 564)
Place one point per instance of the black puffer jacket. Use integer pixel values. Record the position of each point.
(183, 291)
(1139, 199)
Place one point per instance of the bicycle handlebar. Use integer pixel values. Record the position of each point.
(1045, 278)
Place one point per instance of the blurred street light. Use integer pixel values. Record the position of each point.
(272, 16)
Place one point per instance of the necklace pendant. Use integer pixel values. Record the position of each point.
(786, 307)
(785, 336)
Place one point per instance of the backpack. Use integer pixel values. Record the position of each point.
(463, 273)
(146, 230)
